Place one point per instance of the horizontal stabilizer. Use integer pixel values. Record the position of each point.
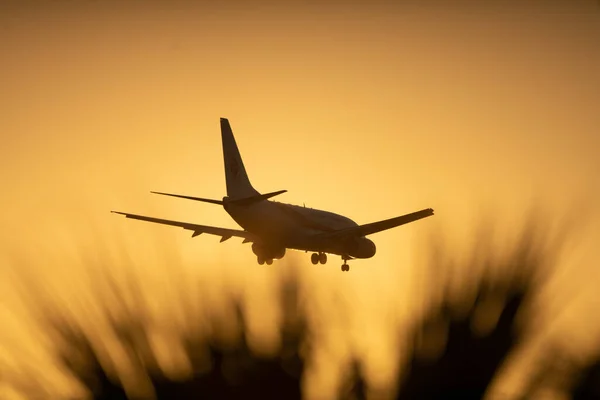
(246, 201)
(190, 198)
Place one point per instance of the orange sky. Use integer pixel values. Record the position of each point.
(371, 112)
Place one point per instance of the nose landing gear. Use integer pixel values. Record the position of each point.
(345, 266)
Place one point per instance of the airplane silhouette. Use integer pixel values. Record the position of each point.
(274, 227)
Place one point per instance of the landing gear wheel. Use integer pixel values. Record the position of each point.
(345, 266)
(314, 258)
(322, 258)
(269, 261)
(260, 260)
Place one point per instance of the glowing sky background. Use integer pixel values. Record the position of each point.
(370, 111)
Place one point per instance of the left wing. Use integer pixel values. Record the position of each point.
(374, 227)
(225, 233)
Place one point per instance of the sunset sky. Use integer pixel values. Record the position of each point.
(370, 111)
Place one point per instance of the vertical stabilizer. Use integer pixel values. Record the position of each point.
(238, 184)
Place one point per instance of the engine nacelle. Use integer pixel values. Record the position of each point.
(279, 253)
(257, 249)
(361, 247)
(268, 252)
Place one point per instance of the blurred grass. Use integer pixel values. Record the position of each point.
(464, 333)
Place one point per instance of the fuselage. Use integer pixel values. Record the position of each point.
(294, 227)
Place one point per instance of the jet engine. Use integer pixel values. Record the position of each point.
(360, 247)
(268, 252)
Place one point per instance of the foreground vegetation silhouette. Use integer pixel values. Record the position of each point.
(461, 365)
(222, 369)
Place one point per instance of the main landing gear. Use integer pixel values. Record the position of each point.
(321, 258)
(317, 258)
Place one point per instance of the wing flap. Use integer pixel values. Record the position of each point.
(225, 233)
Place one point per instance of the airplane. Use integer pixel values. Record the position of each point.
(273, 227)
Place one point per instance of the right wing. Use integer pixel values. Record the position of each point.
(225, 233)
(374, 227)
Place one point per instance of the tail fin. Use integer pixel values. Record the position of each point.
(238, 184)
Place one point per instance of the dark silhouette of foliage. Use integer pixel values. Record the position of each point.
(587, 386)
(469, 361)
(357, 386)
(235, 372)
(465, 361)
